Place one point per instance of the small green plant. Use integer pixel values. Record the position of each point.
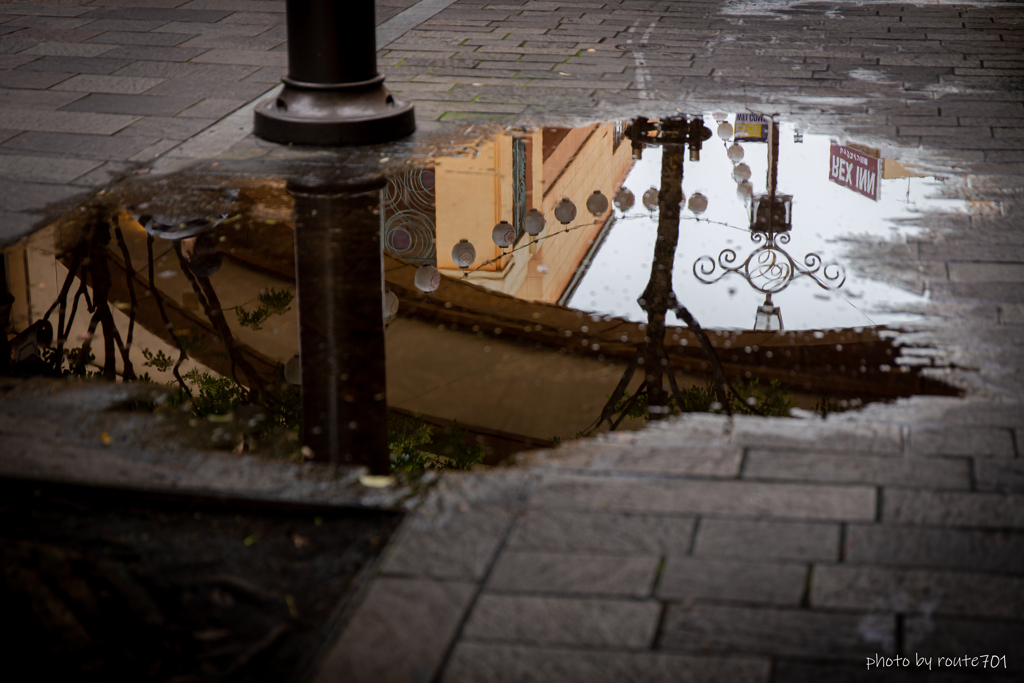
(769, 400)
(159, 360)
(213, 395)
(637, 409)
(556, 441)
(417, 446)
(270, 420)
(827, 405)
(752, 398)
(696, 399)
(191, 341)
(65, 363)
(269, 302)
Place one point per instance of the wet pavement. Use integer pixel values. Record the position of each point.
(158, 587)
(704, 228)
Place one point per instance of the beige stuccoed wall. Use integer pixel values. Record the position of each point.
(597, 165)
(474, 193)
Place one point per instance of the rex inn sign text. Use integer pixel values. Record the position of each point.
(854, 169)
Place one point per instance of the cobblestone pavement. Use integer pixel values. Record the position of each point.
(701, 549)
(90, 90)
(706, 550)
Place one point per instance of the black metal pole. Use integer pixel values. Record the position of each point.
(338, 271)
(332, 94)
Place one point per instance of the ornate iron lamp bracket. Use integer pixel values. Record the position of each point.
(769, 268)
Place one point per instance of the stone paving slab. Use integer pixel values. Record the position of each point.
(563, 621)
(740, 498)
(953, 593)
(759, 539)
(940, 548)
(693, 579)
(935, 637)
(573, 573)
(852, 468)
(422, 616)
(129, 141)
(706, 460)
(780, 632)
(458, 544)
(559, 530)
(993, 474)
(948, 509)
(140, 105)
(21, 196)
(471, 662)
(962, 440)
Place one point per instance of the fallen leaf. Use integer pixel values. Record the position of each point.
(249, 540)
(105, 439)
(375, 481)
(211, 634)
(300, 541)
(292, 609)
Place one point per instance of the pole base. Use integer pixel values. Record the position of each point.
(347, 114)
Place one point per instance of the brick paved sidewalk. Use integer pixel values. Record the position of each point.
(90, 89)
(761, 550)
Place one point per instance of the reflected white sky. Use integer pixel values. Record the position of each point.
(823, 213)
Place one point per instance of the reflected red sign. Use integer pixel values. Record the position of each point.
(854, 169)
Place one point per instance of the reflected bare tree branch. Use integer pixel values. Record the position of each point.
(182, 355)
(211, 306)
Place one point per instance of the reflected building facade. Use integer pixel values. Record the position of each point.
(504, 177)
(494, 348)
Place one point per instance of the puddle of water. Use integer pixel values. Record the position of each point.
(687, 264)
(823, 213)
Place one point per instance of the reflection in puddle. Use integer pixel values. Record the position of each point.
(526, 294)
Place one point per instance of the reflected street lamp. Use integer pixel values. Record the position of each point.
(768, 269)
(768, 317)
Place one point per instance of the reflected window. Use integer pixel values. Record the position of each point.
(518, 185)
